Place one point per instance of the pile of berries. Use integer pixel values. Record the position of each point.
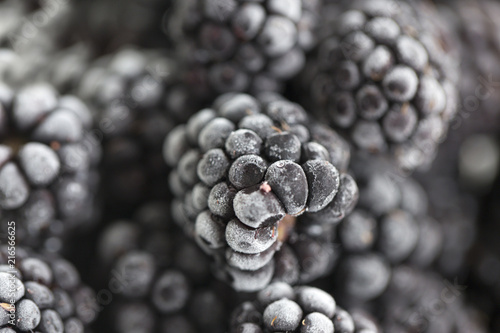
(249, 166)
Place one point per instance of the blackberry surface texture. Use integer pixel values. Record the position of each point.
(386, 75)
(251, 177)
(163, 279)
(244, 46)
(282, 308)
(49, 294)
(48, 176)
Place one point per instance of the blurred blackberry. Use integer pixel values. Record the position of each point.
(49, 295)
(62, 68)
(422, 301)
(457, 211)
(35, 29)
(280, 307)
(48, 176)
(109, 25)
(139, 99)
(469, 153)
(253, 180)
(478, 28)
(385, 75)
(160, 281)
(390, 226)
(244, 46)
(484, 279)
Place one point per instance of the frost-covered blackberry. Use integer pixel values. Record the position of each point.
(385, 75)
(280, 307)
(248, 175)
(163, 278)
(243, 45)
(49, 295)
(48, 158)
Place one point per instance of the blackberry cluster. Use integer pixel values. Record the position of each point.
(49, 295)
(245, 172)
(48, 176)
(159, 147)
(241, 46)
(162, 280)
(386, 74)
(282, 308)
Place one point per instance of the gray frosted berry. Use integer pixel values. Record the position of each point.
(282, 315)
(248, 20)
(247, 170)
(14, 190)
(288, 181)
(210, 230)
(220, 200)
(51, 322)
(40, 294)
(239, 106)
(316, 322)
(313, 299)
(243, 239)
(314, 151)
(40, 163)
(400, 122)
(274, 292)
(324, 180)
(215, 133)
(170, 292)
(400, 84)
(28, 315)
(278, 36)
(258, 206)
(258, 123)
(6, 281)
(248, 261)
(283, 146)
(213, 167)
(243, 142)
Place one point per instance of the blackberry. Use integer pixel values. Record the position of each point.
(458, 212)
(280, 307)
(49, 296)
(250, 175)
(162, 280)
(391, 225)
(48, 178)
(243, 46)
(385, 76)
(108, 25)
(140, 99)
(479, 50)
(412, 297)
(478, 116)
